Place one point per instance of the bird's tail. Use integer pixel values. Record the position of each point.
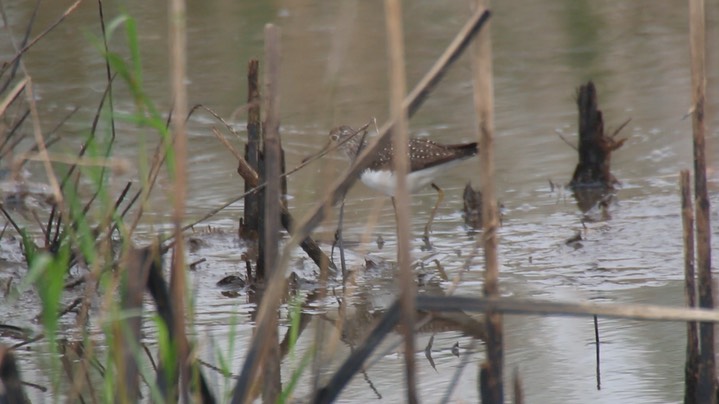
(466, 149)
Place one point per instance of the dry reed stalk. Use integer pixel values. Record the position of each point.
(484, 106)
(540, 307)
(692, 349)
(116, 164)
(12, 96)
(40, 141)
(398, 89)
(330, 343)
(158, 158)
(271, 229)
(178, 65)
(697, 37)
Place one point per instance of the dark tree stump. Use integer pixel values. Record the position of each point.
(592, 179)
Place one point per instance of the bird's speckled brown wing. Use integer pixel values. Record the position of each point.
(425, 153)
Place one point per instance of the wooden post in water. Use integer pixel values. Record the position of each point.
(491, 372)
(250, 226)
(692, 351)
(706, 386)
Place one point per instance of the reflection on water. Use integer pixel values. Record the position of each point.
(334, 72)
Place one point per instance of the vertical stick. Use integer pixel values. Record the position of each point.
(484, 105)
(250, 228)
(518, 392)
(272, 161)
(12, 391)
(692, 360)
(597, 353)
(178, 60)
(398, 90)
(129, 329)
(697, 34)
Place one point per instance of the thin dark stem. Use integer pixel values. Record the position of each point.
(23, 43)
(596, 342)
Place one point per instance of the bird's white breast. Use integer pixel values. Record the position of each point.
(386, 181)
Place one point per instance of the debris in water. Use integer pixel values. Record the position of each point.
(472, 207)
(193, 266)
(575, 241)
(428, 352)
(232, 281)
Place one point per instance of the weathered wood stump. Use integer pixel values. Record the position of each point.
(592, 180)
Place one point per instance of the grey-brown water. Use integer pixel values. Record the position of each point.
(334, 72)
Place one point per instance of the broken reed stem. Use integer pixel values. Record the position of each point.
(692, 350)
(12, 96)
(178, 64)
(272, 385)
(484, 106)
(697, 37)
(540, 307)
(398, 90)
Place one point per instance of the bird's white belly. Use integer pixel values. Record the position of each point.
(386, 181)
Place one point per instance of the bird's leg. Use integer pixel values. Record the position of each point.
(440, 198)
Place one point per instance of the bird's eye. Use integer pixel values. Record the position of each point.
(334, 137)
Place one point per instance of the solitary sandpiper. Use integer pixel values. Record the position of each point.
(427, 160)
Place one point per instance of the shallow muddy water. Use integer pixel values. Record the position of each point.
(334, 72)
